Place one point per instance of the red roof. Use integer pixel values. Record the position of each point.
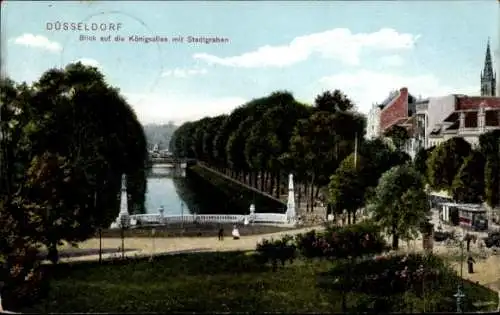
(474, 102)
(396, 111)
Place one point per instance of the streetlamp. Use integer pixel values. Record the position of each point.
(100, 230)
(100, 245)
(182, 215)
(460, 294)
(124, 223)
(153, 231)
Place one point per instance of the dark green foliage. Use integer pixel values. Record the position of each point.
(399, 135)
(341, 242)
(276, 252)
(264, 140)
(489, 144)
(421, 160)
(66, 140)
(411, 283)
(400, 202)
(468, 185)
(445, 162)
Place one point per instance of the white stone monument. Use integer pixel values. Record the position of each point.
(290, 205)
(252, 213)
(123, 216)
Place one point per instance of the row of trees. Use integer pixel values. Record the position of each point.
(469, 175)
(66, 140)
(262, 141)
(396, 194)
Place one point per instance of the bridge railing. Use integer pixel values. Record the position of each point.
(156, 218)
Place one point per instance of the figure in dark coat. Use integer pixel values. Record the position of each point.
(470, 264)
(221, 234)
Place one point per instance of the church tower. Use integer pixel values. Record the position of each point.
(488, 77)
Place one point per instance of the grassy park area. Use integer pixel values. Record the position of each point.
(310, 280)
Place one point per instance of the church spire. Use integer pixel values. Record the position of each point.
(488, 66)
(488, 77)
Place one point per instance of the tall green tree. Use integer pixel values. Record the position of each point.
(489, 144)
(421, 158)
(400, 203)
(346, 188)
(468, 185)
(74, 115)
(333, 102)
(445, 162)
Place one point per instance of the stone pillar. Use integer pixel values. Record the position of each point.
(252, 212)
(462, 121)
(481, 119)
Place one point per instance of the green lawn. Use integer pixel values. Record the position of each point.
(208, 282)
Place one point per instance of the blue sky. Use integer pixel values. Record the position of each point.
(365, 49)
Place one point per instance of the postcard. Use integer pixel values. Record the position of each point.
(249, 156)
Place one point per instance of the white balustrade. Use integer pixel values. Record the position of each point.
(153, 218)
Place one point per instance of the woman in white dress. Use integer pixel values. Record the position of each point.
(236, 233)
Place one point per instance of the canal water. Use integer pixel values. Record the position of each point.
(190, 194)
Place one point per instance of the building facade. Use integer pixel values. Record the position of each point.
(373, 122)
(436, 119)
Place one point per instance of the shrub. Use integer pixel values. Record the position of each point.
(342, 242)
(23, 280)
(276, 251)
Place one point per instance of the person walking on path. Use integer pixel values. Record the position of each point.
(470, 264)
(221, 234)
(236, 233)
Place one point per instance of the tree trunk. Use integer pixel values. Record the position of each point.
(354, 217)
(53, 254)
(299, 197)
(312, 193)
(317, 193)
(255, 177)
(266, 182)
(262, 181)
(271, 186)
(278, 184)
(395, 239)
(306, 196)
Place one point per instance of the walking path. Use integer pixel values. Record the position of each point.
(141, 246)
(204, 166)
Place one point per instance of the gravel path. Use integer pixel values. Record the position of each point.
(141, 246)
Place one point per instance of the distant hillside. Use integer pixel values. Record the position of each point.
(159, 134)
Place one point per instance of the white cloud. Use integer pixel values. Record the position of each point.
(38, 41)
(179, 108)
(392, 60)
(366, 87)
(183, 73)
(89, 62)
(339, 44)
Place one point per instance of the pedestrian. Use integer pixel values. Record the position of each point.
(236, 233)
(468, 242)
(221, 234)
(470, 264)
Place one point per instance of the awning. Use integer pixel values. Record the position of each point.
(465, 206)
